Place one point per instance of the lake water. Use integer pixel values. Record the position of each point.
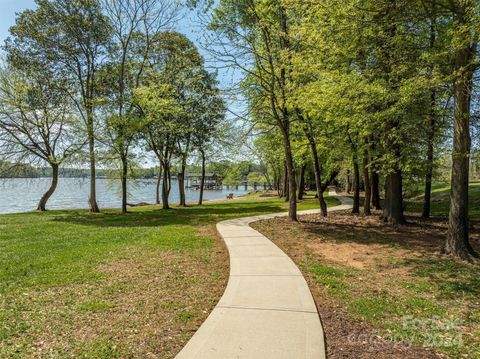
(23, 194)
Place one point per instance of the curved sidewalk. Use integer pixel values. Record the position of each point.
(267, 310)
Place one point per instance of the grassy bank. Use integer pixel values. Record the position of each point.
(76, 284)
(441, 201)
(387, 292)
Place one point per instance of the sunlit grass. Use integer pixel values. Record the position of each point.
(68, 277)
(440, 203)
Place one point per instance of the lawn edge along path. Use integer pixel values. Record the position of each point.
(267, 310)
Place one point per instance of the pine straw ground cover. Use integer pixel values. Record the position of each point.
(385, 292)
(75, 284)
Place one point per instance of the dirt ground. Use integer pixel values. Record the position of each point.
(376, 258)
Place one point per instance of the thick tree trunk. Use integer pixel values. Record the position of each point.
(124, 183)
(366, 179)
(165, 185)
(91, 152)
(348, 184)
(393, 210)
(375, 183)
(159, 181)
(301, 182)
(457, 243)
(42, 205)
(202, 182)
(356, 186)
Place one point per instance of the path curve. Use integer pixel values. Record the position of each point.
(267, 310)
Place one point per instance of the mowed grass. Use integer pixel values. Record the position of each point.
(440, 204)
(76, 284)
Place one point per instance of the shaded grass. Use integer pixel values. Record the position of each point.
(404, 292)
(107, 285)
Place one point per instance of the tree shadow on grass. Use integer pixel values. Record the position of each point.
(453, 279)
(413, 236)
(422, 238)
(154, 216)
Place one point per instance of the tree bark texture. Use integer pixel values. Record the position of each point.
(42, 205)
(457, 242)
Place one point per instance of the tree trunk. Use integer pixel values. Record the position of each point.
(375, 183)
(165, 185)
(356, 186)
(91, 151)
(181, 183)
(318, 176)
(301, 182)
(202, 182)
(431, 135)
(159, 181)
(366, 179)
(169, 187)
(348, 184)
(124, 183)
(429, 174)
(292, 184)
(386, 205)
(457, 243)
(393, 211)
(53, 186)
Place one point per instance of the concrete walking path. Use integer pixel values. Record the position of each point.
(267, 310)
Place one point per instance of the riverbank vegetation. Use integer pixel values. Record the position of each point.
(103, 82)
(109, 285)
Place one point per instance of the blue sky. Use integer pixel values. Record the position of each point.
(187, 25)
(8, 8)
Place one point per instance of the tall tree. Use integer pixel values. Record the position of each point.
(70, 36)
(134, 24)
(37, 121)
(158, 103)
(209, 112)
(174, 60)
(465, 41)
(254, 37)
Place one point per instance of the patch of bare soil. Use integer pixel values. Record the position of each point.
(368, 245)
(350, 338)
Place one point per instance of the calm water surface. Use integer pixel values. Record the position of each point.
(23, 194)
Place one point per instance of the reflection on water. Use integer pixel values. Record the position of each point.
(23, 194)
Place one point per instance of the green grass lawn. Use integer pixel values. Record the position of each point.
(108, 285)
(441, 200)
